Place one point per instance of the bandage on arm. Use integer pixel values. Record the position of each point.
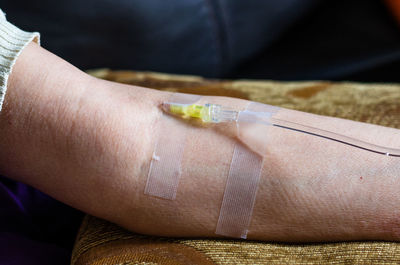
(165, 167)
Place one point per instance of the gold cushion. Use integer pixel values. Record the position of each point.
(101, 242)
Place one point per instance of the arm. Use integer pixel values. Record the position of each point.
(89, 142)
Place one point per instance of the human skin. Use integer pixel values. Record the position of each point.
(89, 142)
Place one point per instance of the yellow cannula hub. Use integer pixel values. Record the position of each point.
(208, 113)
(191, 111)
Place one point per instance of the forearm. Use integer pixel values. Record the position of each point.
(89, 143)
(311, 188)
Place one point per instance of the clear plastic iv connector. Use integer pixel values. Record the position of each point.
(213, 113)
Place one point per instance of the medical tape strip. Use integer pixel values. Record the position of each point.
(242, 183)
(165, 167)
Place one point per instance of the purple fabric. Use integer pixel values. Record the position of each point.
(34, 228)
(18, 249)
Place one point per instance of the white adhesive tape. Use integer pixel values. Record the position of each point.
(165, 167)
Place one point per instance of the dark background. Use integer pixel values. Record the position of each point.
(269, 39)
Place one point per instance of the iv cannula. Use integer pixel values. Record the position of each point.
(213, 113)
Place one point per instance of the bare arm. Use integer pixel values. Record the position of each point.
(89, 142)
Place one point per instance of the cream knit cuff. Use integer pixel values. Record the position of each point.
(12, 42)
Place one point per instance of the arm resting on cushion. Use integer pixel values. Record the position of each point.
(89, 142)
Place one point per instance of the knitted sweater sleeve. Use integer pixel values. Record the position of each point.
(12, 42)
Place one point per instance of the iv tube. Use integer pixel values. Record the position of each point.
(213, 113)
(335, 137)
